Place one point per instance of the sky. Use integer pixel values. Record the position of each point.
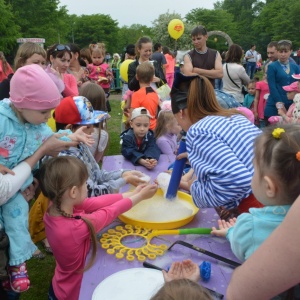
(128, 12)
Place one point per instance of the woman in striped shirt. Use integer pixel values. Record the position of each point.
(219, 145)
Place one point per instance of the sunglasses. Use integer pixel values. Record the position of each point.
(61, 48)
(285, 42)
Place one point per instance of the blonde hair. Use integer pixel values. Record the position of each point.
(25, 51)
(202, 101)
(180, 289)
(56, 177)
(97, 48)
(145, 72)
(164, 121)
(4, 62)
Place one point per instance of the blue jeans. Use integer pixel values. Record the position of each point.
(51, 295)
(251, 67)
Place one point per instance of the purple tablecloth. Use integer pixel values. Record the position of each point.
(106, 264)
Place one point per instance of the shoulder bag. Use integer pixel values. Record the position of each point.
(244, 90)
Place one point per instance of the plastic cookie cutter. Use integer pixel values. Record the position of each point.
(114, 241)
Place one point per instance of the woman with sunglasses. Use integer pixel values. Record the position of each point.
(59, 57)
(280, 74)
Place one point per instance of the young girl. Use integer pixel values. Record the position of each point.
(96, 95)
(275, 184)
(249, 98)
(73, 219)
(262, 89)
(170, 67)
(60, 57)
(293, 113)
(33, 94)
(100, 71)
(166, 132)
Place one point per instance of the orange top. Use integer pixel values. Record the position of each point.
(146, 97)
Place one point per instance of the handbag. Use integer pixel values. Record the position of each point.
(163, 91)
(243, 90)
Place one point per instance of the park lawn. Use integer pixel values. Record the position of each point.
(41, 271)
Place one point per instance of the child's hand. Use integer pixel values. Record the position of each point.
(182, 155)
(4, 170)
(282, 111)
(153, 162)
(148, 191)
(80, 136)
(190, 270)
(155, 79)
(133, 177)
(223, 227)
(29, 192)
(175, 272)
(146, 163)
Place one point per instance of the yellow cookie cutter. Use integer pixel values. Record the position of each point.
(112, 241)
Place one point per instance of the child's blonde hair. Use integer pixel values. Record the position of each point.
(57, 176)
(182, 289)
(97, 48)
(145, 72)
(164, 121)
(25, 51)
(277, 152)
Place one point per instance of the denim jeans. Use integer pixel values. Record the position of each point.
(251, 67)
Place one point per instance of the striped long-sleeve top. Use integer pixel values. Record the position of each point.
(220, 151)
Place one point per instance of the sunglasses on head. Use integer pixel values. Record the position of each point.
(285, 42)
(61, 48)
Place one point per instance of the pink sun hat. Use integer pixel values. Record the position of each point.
(293, 87)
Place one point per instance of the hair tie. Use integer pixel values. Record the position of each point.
(277, 133)
(77, 217)
(298, 155)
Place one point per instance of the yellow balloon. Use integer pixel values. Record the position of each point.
(176, 28)
(124, 69)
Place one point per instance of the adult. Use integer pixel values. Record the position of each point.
(280, 74)
(235, 75)
(160, 58)
(251, 58)
(144, 51)
(75, 68)
(259, 277)
(60, 57)
(5, 68)
(203, 60)
(28, 53)
(170, 66)
(219, 145)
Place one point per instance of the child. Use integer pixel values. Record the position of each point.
(166, 132)
(146, 96)
(261, 93)
(99, 71)
(71, 114)
(96, 95)
(5, 68)
(33, 94)
(275, 184)
(293, 113)
(73, 219)
(138, 142)
(249, 98)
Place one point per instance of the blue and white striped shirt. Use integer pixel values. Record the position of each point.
(220, 151)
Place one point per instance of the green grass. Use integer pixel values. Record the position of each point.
(41, 271)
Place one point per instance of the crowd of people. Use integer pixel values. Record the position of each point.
(243, 150)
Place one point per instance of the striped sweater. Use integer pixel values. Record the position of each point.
(221, 153)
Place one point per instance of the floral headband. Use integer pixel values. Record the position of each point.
(277, 135)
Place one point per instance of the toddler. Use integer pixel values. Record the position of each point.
(249, 98)
(99, 71)
(73, 219)
(32, 96)
(146, 96)
(293, 113)
(275, 184)
(260, 100)
(138, 142)
(166, 132)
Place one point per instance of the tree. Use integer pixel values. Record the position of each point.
(8, 28)
(161, 34)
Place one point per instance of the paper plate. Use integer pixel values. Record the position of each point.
(133, 284)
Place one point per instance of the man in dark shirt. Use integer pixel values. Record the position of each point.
(161, 60)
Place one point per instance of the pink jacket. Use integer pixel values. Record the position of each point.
(71, 88)
(170, 66)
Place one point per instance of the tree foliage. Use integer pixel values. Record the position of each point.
(8, 28)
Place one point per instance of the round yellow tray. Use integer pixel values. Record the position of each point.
(165, 225)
